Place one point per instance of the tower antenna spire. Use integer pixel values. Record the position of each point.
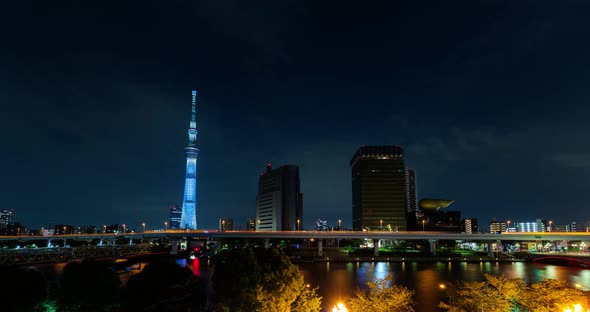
(193, 123)
(188, 218)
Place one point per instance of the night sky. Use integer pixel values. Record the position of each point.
(488, 99)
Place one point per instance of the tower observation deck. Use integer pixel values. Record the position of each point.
(188, 218)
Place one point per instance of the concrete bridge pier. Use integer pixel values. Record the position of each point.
(174, 244)
(432, 246)
(376, 247)
(490, 249)
(320, 248)
(266, 243)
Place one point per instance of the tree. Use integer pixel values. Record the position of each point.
(476, 296)
(499, 294)
(163, 286)
(22, 289)
(551, 295)
(381, 296)
(261, 280)
(89, 286)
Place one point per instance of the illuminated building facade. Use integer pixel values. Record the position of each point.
(470, 226)
(175, 217)
(6, 217)
(279, 203)
(251, 224)
(411, 199)
(379, 189)
(497, 227)
(188, 219)
(538, 226)
(226, 224)
(411, 191)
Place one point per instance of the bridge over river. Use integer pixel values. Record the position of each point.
(79, 246)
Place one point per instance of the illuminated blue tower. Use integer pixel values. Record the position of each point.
(188, 219)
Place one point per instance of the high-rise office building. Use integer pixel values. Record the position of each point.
(411, 191)
(378, 188)
(175, 216)
(226, 224)
(411, 199)
(189, 204)
(6, 217)
(279, 203)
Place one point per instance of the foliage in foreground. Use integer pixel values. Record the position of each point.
(262, 280)
(163, 286)
(382, 296)
(499, 294)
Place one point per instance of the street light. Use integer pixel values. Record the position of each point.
(259, 224)
(123, 228)
(165, 225)
(64, 230)
(339, 225)
(339, 307)
(423, 221)
(550, 227)
(104, 228)
(143, 225)
(508, 229)
(577, 308)
(298, 224)
(381, 225)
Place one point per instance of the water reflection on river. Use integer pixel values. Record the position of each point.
(337, 280)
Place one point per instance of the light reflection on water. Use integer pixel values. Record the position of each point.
(424, 278)
(338, 280)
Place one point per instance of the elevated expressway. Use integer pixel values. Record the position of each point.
(139, 242)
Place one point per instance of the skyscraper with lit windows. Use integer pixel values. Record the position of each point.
(188, 219)
(379, 189)
(279, 203)
(175, 216)
(6, 216)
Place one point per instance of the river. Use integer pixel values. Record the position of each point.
(337, 280)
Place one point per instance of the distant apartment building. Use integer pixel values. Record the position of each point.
(321, 225)
(6, 217)
(279, 203)
(470, 226)
(379, 192)
(572, 227)
(86, 229)
(226, 224)
(251, 225)
(497, 227)
(569, 227)
(175, 216)
(537, 226)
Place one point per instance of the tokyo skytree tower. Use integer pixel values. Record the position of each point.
(188, 219)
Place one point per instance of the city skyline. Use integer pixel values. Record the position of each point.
(487, 100)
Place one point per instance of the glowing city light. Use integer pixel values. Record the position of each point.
(188, 219)
(339, 307)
